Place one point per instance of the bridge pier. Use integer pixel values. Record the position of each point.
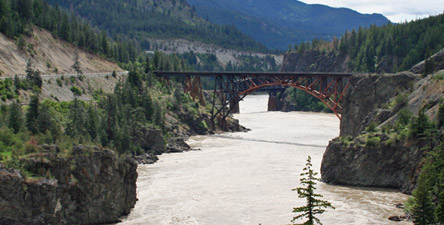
(272, 100)
(235, 108)
(272, 103)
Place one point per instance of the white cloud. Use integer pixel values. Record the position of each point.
(395, 10)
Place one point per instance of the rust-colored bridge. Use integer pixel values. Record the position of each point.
(232, 87)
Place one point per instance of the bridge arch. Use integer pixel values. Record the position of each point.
(330, 99)
(232, 87)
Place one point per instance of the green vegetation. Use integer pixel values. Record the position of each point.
(427, 203)
(116, 120)
(439, 75)
(389, 48)
(17, 16)
(314, 204)
(303, 101)
(143, 19)
(441, 116)
(373, 141)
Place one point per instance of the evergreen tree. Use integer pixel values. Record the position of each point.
(76, 120)
(76, 65)
(33, 76)
(441, 116)
(92, 122)
(314, 204)
(420, 124)
(423, 209)
(24, 8)
(32, 114)
(15, 121)
(47, 121)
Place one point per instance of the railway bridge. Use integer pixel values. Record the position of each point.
(231, 87)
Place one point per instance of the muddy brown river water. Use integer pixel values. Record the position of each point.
(246, 178)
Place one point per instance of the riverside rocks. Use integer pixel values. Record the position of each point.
(91, 186)
(389, 166)
(367, 94)
(388, 161)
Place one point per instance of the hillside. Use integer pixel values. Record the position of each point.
(49, 56)
(387, 49)
(146, 21)
(280, 23)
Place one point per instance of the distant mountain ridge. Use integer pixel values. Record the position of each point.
(147, 20)
(280, 23)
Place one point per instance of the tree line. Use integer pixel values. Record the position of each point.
(115, 120)
(169, 19)
(388, 48)
(18, 16)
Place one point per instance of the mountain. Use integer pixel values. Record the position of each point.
(149, 20)
(280, 23)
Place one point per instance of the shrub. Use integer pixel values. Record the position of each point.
(373, 141)
(59, 82)
(439, 75)
(372, 127)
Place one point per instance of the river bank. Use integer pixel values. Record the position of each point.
(246, 178)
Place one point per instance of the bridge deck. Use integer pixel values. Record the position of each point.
(250, 74)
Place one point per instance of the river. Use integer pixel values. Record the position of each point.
(246, 178)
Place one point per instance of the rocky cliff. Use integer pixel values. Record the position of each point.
(90, 186)
(366, 95)
(372, 150)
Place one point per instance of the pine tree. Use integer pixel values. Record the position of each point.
(423, 209)
(441, 116)
(15, 121)
(92, 122)
(24, 8)
(76, 65)
(32, 114)
(314, 204)
(76, 117)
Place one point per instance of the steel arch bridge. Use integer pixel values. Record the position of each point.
(232, 87)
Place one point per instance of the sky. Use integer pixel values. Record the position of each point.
(395, 10)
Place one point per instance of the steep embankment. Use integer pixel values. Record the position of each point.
(377, 146)
(91, 186)
(48, 55)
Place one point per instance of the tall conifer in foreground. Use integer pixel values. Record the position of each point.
(314, 204)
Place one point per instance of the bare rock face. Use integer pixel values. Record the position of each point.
(368, 93)
(390, 166)
(92, 186)
(360, 157)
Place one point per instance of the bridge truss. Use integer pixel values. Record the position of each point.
(231, 87)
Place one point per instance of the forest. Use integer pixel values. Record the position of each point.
(170, 19)
(389, 48)
(112, 120)
(18, 16)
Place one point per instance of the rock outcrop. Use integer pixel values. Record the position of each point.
(367, 94)
(394, 165)
(378, 156)
(91, 186)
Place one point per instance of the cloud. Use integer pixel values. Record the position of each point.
(395, 10)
